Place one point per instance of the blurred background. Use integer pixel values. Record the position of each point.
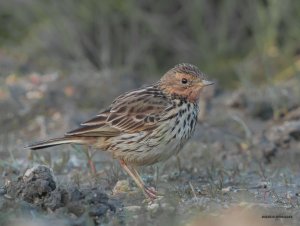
(233, 41)
(63, 61)
(76, 54)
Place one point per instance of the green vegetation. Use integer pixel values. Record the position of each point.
(234, 41)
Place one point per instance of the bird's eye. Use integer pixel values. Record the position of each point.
(184, 81)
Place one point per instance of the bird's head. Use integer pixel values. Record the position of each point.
(185, 81)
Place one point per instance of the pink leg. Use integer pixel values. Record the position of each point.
(149, 193)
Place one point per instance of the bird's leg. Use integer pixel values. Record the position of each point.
(138, 180)
(178, 164)
(133, 176)
(89, 156)
(90, 161)
(150, 191)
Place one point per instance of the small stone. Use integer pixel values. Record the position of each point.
(122, 186)
(289, 195)
(227, 189)
(153, 207)
(133, 209)
(7, 196)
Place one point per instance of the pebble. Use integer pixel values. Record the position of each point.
(121, 186)
(227, 189)
(7, 196)
(133, 209)
(153, 207)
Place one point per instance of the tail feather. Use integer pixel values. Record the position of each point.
(54, 142)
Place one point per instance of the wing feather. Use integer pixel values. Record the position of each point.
(135, 111)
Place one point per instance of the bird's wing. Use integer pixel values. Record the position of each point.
(135, 111)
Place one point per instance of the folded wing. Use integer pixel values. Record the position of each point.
(135, 111)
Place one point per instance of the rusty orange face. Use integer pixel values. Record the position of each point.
(184, 80)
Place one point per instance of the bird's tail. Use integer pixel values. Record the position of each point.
(54, 142)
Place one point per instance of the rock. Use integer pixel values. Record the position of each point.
(284, 133)
(38, 188)
(36, 183)
(122, 186)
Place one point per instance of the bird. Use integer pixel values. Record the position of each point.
(146, 125)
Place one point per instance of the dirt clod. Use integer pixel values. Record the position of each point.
(36, 184)
(38, 188)
(284, 133)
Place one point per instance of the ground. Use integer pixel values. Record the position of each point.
(241, 166)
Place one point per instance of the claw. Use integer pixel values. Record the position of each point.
(151, 192)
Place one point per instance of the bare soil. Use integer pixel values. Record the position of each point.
(243, 158)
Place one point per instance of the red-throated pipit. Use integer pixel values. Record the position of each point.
(144, 126)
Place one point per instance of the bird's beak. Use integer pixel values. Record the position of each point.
(206, 83)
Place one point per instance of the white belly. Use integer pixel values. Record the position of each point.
(146, 148)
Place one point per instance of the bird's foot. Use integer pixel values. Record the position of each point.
(151, 193)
